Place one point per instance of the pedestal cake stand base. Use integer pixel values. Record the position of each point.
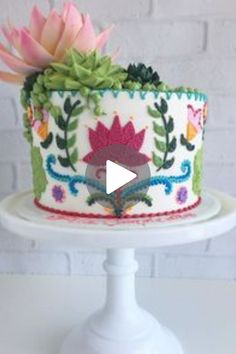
(121, 326)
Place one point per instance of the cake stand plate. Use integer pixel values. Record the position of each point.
(121, 326)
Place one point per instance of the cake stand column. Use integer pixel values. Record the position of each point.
(121, 326)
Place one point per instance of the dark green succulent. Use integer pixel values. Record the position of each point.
(144, 77)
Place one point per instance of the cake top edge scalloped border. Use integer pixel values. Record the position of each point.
(156, 93)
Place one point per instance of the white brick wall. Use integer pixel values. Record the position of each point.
(190, 42)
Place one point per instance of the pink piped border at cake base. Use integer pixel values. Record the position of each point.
(99, 216)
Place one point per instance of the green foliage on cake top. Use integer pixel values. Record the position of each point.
(84, 72)
(141, 77)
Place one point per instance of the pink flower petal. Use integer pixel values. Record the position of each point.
(95, 141)
(52, 32)
(66, 9)
(89, 157)
(7, 33)
(37, 22)
(137, 142)
(116, 132)
(11, 78)
(15, 37)
(33, 53)
(86, 39)
(73, 23)
(103, 37)
(12, 35)
(103, 133)
(128, 132)
(15, 63)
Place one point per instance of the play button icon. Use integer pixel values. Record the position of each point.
(113, 182)
(116, 177)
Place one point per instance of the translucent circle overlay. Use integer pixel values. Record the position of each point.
(126, 196)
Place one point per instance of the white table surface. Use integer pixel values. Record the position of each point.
(34, 317)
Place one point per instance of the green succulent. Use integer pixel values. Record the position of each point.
(143, 75)
(85, 72)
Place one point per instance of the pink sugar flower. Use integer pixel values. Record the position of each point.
(47, 40)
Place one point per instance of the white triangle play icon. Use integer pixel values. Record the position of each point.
(117, 176)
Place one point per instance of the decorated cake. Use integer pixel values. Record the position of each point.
(78, 102)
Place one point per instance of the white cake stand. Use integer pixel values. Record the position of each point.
(121, 326)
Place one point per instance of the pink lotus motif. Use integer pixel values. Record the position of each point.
(106, 144)
(47, 40)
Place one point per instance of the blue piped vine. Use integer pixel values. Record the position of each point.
(128, 194)
(166, 181)
(72, 180)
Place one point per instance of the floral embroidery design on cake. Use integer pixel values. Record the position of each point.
(194, 127)
(128, 194)
(163, 131)
(182, 195)
(103, 137)
(67, 140)
(59, 194)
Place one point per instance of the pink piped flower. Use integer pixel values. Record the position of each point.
(103, 137)
(47, 40)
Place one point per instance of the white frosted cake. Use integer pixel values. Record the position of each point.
(78, 102)
(170, 142)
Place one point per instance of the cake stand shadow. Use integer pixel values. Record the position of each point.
(121, 326)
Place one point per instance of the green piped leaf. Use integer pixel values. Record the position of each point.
(139, 197)
(64, 162)
(163, 108)
(67, 105)
(170, 125)
(160, 145)
(71, 142)
(154, 113)
(158, 129)
(158, 162)
(172, 145)
(97, 197)
(74, 156)
(73, 125)
(77, 111)
(47, 142)
(61, 123)
(168, 163)
(186, 143)
(61, 143)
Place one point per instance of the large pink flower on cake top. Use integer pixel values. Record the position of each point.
(106, 144)
(47, 40)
